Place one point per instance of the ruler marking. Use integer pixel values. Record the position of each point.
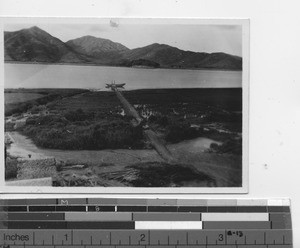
(149, 237)
(72, 237)
(187, 238)
(283, 239)
(52, 240)
(91, 239)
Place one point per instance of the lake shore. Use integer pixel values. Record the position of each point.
(106, 65)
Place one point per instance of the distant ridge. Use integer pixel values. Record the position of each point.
(36, 45)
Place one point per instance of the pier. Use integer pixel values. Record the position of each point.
(151, 136)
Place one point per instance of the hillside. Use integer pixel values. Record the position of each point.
(102, 51)
(168, 56)
(36, 45)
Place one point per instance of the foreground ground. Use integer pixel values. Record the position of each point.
(64, 120)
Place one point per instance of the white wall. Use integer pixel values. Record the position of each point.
(274, 76)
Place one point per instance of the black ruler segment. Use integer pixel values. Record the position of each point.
(192, 209)
(70, 208)
(132, 209)
(145, 223)
(36, 216)
(162, 209)
(252, 209)
(102, 208)
(222, 209)
(14, 208)
(41, 208)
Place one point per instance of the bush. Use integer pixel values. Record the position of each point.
(179, 132)
(78, 115)
(11, 168)
(56, 132)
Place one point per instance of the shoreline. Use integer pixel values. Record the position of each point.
(125, 90)
(101, 65)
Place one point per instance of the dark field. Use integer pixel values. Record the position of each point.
(78, 119)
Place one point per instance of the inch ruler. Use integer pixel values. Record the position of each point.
(145, 223)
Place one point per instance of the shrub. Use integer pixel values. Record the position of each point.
(11, 168)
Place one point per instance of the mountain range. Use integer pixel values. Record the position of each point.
(35, 45)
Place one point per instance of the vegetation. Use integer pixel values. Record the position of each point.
(93, 120)
(79, 130)
(153, 174)
(139, 63)
(21, 97)
(11, 167)
(26, 101)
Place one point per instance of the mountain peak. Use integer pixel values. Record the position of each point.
(35, 29)
(90, 45)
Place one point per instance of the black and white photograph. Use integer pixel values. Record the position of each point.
(125, 105)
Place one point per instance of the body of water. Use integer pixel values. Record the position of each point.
(77, 76)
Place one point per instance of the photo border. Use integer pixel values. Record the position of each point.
(139, 190)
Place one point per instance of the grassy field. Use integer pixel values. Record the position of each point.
(81, 120)
(94, 121)
(20, 97)
(18, 101)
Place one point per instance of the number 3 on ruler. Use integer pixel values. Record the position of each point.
(221, 237)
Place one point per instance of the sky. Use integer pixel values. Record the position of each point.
(188, 37)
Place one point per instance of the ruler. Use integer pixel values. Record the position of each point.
(145, 223)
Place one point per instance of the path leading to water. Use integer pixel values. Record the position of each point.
(155, 141)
